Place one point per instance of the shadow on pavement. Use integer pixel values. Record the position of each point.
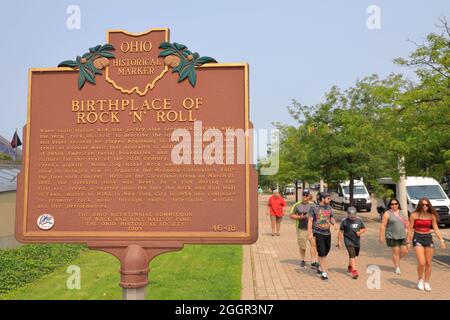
(295, 262)
(385, 268)
(339, 270)
(403, 282)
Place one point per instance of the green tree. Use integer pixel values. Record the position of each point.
(424, 109)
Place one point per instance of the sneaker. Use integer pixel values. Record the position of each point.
(302, 264)
(354, 274)
(319, 272)
(349, 269)
(324, 276)
(427, 286)
(273, 234)
(314, 265)
(420, 285)
(278, 234)
(397, 270)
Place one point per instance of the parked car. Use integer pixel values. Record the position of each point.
(340, 196)
(417, 188)
(290, 190)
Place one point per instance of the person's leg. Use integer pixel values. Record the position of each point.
(429, 251)
(313, 250)
(302, 254)
(353, 263)
(420, 254)
(354, 266)
(273, 223)
(327, 244)
(279, 225)
(323, 264)
(302, 240)
(396, 256)
(403, 251)
(351, 257)
(320, 250)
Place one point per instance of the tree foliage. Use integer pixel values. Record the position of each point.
(364, 131)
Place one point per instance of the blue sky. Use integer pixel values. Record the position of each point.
(296, 49)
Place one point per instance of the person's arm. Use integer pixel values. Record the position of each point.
(409, 235)
(438, 233)
(361, 231)
(383, 225)
(310, 224)
(283, 203)
(333, 221)
(303, 216)
(340, 237)
(293, 214)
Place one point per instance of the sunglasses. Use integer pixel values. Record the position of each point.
(394, 204)
(425, 205)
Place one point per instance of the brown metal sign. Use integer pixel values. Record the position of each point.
(130, 143)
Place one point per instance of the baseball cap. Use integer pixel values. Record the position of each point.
(306, 192)
(352, 212)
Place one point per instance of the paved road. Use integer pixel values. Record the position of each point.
(276, 273)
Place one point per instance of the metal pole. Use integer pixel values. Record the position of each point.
(134, 294)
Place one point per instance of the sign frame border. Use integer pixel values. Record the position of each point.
(129, 235)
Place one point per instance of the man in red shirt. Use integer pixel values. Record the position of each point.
(275, 208)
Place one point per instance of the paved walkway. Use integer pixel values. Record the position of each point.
(276, 273)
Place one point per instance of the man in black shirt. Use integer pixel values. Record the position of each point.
(351, 230)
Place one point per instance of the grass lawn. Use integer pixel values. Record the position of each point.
(196, 272)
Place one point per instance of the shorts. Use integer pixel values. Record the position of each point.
(353, 252)
(323, 244)
(302, 238)
(276, 218)
(423, 240)
(392, 243)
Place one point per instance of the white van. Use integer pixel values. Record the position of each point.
(340, 196)
(417, 188)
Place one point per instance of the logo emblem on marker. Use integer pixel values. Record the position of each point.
(45, 221)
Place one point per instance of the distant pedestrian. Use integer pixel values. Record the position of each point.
(422, 220)
(275, 209)
(393, 228)
(351, 230)
(320, 220)
(300, 213)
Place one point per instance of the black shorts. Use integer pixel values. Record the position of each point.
(392, 243)
(353, 252)
(323, 244)
(423, 240)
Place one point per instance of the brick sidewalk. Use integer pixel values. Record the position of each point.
(277, 275)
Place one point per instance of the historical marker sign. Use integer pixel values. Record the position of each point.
(133, 141)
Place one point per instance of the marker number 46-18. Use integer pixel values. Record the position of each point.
(221, 228)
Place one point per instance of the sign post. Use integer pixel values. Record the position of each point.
(138, 147)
